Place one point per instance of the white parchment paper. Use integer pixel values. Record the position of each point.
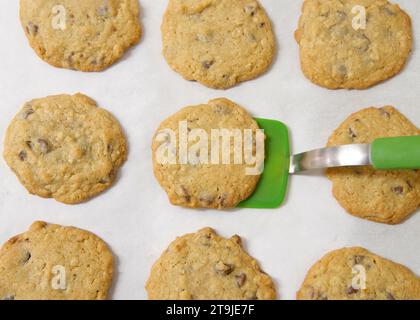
(135, 218)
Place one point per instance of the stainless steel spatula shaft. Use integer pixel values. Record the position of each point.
(342, 156)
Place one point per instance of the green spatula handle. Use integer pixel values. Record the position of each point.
(396, 153)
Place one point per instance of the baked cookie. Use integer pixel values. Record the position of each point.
(218, 43)
(204, 183)
(204, 266)
(352, 44)
(387, 196)
(52, 262)
(65, 147)
(357, 274)
(88, 35)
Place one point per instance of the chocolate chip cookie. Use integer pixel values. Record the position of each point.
(52, 262)
(218, 43)
(199, 181)
(65, 147)
(205, 266)
(87, 35)
(357, 274)
(387, 196)
(352, 44)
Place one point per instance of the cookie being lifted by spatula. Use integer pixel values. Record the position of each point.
(209, 155)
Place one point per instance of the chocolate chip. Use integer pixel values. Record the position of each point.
(410, 186)
(361, 42)
(340, 71)
(384, 113)
(221, 109)
(70, 60)
(351, 290)
(110, 148)
(250, 9)
(311, 292)
(29, 144)
(252, 38)
(315, 295)
(23, 155)
(398, 190)
(223, 268)
(207, 64)
(240, 279)
(26, 257)
(27, 113)
(183, 192)
(32, 29)
(208, 235)
(226, 77)
(221, 199)
(341, 16)
(389, 296)
(205, 239)
(388, 11)
(108, 178)
(352, 134)
(43, 146)
(206, 199)
(253, 296)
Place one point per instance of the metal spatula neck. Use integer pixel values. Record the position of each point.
(341, 156)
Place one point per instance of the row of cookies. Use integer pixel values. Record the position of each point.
(65, 263)
(220, 43)
(67, 148)
(386, 196)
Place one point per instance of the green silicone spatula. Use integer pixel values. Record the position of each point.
(382, 154)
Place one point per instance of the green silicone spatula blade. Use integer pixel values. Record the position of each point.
(272, 187)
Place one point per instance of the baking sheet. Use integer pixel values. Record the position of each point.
(135, 218)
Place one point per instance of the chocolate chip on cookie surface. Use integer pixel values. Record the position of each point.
(87, 35)
(52, 262)
(387, 196)
(357, 274)
(205, 266)
(65, 147)
(204, 183)
(218, 43)
(352, 44)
